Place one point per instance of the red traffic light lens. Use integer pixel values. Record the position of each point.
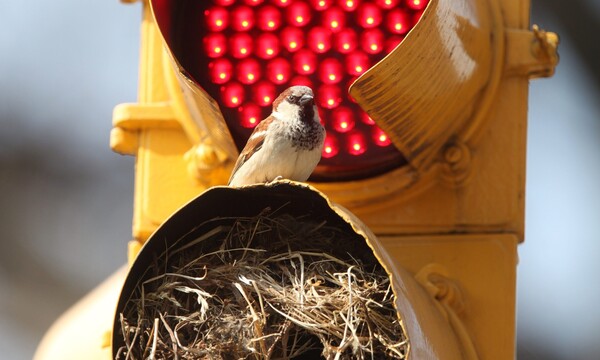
(251, 50)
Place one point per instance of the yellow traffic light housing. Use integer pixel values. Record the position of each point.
(451, 100)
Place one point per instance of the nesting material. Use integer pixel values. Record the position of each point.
(267, 287)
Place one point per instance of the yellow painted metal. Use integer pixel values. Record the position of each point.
(452, 218)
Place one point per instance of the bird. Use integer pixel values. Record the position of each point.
(286, 144)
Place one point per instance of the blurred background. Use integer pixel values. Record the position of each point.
(66, 198)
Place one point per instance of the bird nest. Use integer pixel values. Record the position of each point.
(272, 286)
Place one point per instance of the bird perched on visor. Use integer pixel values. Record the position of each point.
(287, 144)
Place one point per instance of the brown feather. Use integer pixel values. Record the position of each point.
(252, 146)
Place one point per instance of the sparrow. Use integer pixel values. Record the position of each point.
(287, 144)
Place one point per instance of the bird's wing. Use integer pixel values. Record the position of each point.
(255, 142)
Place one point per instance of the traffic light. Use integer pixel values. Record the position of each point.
(425, 106)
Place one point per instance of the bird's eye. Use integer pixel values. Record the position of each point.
(292, 98)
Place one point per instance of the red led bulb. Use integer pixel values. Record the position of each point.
(364, 117)
(278, 71)
(330, 146)
(357, 63)
(334, 19)
(372, 41)
(345, 41)
(321, 5)
(241, 45)
(331, 71)
(242, 18)
(369, 15)
(215, 45)
(248, 71)
(299, 14)
(304, 62)
(387, 4)
(319, 39)
(217, 18)
(349, 5)
(267, 46)
(232, 94)
(292, 38)
(329, 96)
(356, 144)
(220, 70)
(282, 3)
(343, 119)
(380, 138)
(250, 115)
(397, 21)
(268, 18)
(416, 4)
(264, 93)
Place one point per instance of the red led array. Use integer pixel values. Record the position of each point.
(257, 48)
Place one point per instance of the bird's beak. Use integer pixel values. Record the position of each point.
(306, 99)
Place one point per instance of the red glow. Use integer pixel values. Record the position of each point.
(356, 144)
(372, 41)
(319, 39)
(369, 15)
(215, 45)
(364, 117)
(304, 62)
(270, 45)
(387, 4)
(250, 115)
(416, 4)
(331, 71)
(264, 93)
(269, 18)
(248, 71)
(217, 18)
(254, 2)
(334, 19)
(329, 96)
(301, 80)
(267, 46)
(345, 41)
(392, 42)
(241, 45)
(282, 3)
(417, 16)
(279, 71)
(299, 14)
(349, 5)
(220, 71)
(343, 119)
(398, 22)
(357, 63)
(321, 5)
(292, 38)
(380, 138)
(330, 146)
(242, 18)
(232, 94)
(224, 2)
